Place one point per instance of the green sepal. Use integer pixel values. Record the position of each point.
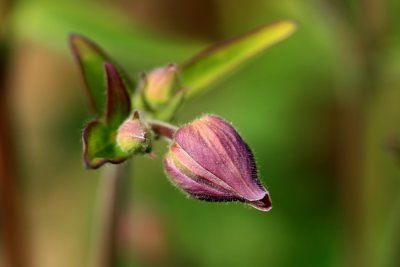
(99, 146)
(118, 100)
(91, 59)
(99, 136)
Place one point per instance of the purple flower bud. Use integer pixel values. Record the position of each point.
(210, 161)
(159, 85)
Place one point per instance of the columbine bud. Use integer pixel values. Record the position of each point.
(134, 136)
(159, 85)
(210, 161)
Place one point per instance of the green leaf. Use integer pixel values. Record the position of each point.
(220, 60)
(99, 136)
(99, 146)
(91, 59)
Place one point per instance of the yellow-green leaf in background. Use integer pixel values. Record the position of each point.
(220, 60)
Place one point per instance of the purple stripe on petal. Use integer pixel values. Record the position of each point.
(192, 187)
(218, 149)
(210, 161)
(236, 155)
(195, 171)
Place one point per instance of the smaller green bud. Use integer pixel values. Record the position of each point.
(159, 85)
(134, 136)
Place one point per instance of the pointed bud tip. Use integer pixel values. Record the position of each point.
(263, 204)
(172, 68)
(136, 115)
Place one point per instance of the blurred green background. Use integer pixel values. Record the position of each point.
(321, 111)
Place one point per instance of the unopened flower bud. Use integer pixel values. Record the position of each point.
(134, 136)
(159, 85)
(210, 161)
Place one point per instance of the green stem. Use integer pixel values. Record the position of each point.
(104, 245)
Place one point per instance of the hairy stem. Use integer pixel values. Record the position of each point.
(163, 129)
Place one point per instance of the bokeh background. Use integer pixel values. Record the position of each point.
(321, 111)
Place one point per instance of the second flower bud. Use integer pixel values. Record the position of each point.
(160, 85)
(134, 136)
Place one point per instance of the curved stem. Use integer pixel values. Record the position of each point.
(163, 129)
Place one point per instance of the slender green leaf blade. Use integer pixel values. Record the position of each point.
(218, 61)
(91, 60)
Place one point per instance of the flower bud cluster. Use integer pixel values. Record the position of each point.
(207, 159)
